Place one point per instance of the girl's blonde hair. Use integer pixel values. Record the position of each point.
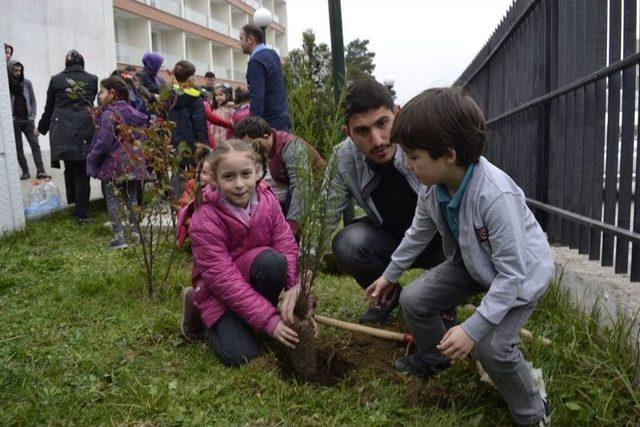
(257, 150)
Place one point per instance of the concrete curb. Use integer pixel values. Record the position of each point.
(591, 285)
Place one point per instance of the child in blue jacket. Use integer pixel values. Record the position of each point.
(492, 244)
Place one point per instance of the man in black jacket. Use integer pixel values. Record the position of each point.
(66, 114)
(23, 106)
(265, 79)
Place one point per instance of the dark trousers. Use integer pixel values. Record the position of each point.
(76, 183)
(26, 127)
(231, 338)
(364, 251)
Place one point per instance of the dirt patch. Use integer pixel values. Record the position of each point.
(331, 367)
(337, 360)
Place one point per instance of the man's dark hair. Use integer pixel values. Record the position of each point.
(254, 31)
(242, 95)
(183, 70)
(118, 85)
(253, 127)
(364, 95)
(439, 120)
(131, 69)
(8, 46)
(209, 75)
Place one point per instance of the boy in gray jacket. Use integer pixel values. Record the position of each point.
(491, 241)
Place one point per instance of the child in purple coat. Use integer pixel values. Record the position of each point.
(244, 255)
(112, 158)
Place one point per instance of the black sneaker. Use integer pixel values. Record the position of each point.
(25, 176)
(380, 314)
(43, 175)
(415, 366)
(117, 243)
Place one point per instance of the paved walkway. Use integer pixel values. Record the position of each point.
(57, 176)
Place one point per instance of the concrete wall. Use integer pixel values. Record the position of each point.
(42, 31)
(11, 208)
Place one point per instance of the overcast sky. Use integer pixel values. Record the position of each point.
(418, 43)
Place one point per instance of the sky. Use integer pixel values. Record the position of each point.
(418, 43)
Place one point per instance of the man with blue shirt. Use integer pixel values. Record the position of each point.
(265, 79)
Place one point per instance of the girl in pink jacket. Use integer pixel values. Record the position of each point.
(244, 255)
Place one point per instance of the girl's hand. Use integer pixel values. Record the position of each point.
(285, 335)
(378, 292)
(288, 304)
(456, 344)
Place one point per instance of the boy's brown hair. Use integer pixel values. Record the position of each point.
(442, 119)
(183, 70)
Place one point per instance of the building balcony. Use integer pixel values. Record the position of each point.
(201, 66)
(132, 55)
(254, 4)
(222, 72)
(169, 60)
(195, 16)
(235, 33)
(219, 26)
(239, 75)
(170, 6)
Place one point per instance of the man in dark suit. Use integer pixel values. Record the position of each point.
(265, 79)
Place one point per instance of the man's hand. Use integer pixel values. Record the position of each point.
(456, 344)
(285, 335)
(288, 304)
(378, 292)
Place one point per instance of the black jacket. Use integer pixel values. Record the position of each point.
(66, 113)
(187, 112)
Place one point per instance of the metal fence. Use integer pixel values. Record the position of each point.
(558, 82)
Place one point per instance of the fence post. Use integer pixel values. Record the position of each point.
(544, 114)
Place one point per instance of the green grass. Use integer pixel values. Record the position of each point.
(80, 344)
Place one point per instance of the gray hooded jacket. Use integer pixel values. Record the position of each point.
(27, 91)
(501, 243)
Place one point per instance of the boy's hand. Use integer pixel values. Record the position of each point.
(288, 304)
(378, 292)
(285, 335)
(456, 344)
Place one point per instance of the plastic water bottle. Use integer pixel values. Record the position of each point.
(36, 193)
(51, 193)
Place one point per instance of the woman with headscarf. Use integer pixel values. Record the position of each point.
(70, 96)
(152, 62)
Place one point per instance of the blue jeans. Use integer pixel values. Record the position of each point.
(231, 338)
(448, 285)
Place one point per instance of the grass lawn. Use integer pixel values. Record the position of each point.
(80, 344)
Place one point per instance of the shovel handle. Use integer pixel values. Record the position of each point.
(375, 332)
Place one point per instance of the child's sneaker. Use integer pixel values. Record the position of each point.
(415, 366)
(191, 324)
(117, 242)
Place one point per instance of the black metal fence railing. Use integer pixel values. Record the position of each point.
(558, 82)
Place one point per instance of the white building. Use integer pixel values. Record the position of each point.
(112, 33)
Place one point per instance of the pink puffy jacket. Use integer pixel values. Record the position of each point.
(223, 250)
